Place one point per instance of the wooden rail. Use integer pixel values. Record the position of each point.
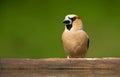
(61, 64)
(60, 67)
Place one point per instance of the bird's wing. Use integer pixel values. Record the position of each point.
(88, 43)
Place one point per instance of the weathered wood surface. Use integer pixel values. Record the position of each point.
(61, 64)
(59, 67)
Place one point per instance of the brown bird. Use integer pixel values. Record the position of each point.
(75, 40)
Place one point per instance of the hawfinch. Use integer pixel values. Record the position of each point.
(75, 40)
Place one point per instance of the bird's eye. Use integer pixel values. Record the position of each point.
(73, 18)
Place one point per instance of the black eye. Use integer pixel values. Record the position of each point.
(73, 18)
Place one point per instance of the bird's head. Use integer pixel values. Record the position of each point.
(72, 21)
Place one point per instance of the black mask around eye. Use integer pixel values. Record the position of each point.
(73, 19)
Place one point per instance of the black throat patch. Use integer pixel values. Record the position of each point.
(69, 27)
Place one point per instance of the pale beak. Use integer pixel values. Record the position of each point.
(67, 21)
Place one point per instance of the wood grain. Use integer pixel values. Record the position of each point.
(61, 64)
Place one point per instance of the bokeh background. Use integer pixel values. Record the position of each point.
(33, 28)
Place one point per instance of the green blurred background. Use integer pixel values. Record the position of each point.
(33, 28)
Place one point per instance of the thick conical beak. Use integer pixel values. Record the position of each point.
(67, 21)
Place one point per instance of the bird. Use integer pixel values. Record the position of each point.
(74, 39)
